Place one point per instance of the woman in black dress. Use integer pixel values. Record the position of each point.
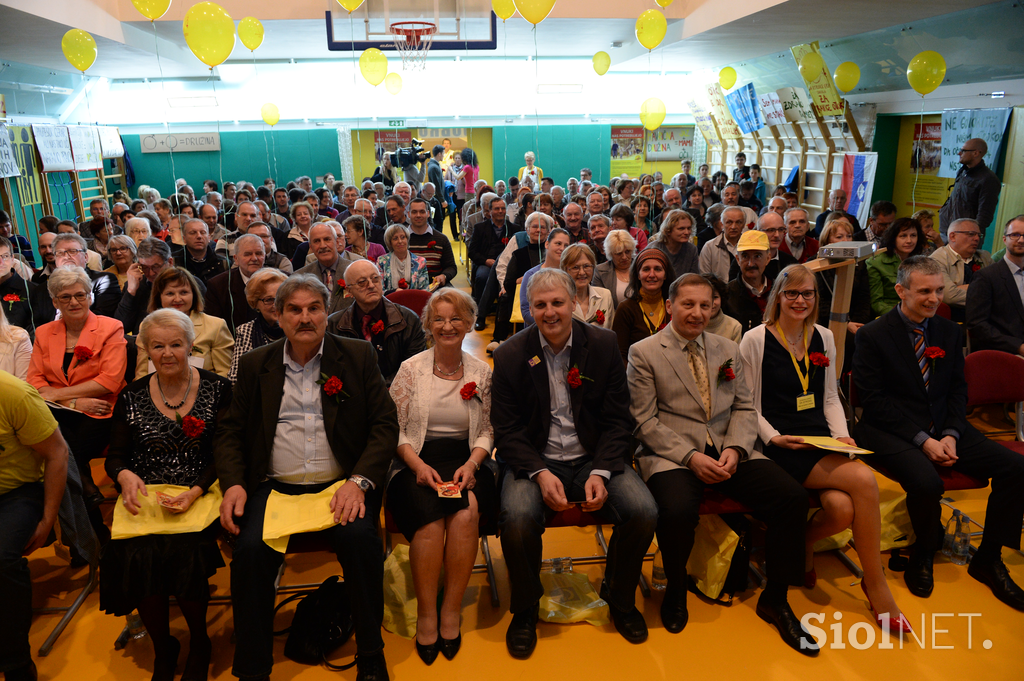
(162, 433)
(787, 363)
(443, 396)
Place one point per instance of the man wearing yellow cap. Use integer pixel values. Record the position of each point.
(748, 293)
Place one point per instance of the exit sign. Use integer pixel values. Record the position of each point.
(396, 123)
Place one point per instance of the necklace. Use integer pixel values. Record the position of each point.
(183, 399)
(441, 371)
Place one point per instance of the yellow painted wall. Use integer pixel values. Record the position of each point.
(931, 190)
(364, 162)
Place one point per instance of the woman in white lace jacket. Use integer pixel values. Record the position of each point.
(440, 485)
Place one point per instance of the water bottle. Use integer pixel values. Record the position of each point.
(950, 535)
(658, 580)
(962, 542)
(136, 629)
(556, 565)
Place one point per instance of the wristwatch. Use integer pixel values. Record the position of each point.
(361, 482)
(73, 403)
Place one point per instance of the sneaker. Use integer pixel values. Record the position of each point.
(492, 346)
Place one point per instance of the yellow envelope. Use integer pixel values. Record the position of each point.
(834, 445)
(289, 514)
(155, 519)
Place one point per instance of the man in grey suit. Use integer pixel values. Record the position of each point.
(697, 425)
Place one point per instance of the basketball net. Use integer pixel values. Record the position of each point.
(412, 40)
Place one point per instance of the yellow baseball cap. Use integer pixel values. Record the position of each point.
(753, 240)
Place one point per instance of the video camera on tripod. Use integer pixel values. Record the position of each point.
(409, 156)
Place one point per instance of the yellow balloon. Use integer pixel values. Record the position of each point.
(652, 113)
(535, 11)
(250, 32)
(601, 62)
(727, 77)
(650, 28)
(373, 64)
(503, 8)
(811, 66)
(926, 72)
(664, 3)
(393, 82)
(209, 32)
(270, 114)
(79, 49)
(350, 5)
(847, 76)
(152, 9)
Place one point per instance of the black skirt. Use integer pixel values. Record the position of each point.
(413, 506)
(178, 565)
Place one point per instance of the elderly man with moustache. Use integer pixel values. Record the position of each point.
(331, 261)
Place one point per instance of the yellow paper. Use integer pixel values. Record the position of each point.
(517, 310)
(155, 519)
(834, 445)
(289, 514)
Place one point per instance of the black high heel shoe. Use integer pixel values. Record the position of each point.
(450, 646)
(166, 663)
(428, 653)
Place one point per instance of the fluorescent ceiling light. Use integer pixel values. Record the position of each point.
(191, 102)
(559, 89)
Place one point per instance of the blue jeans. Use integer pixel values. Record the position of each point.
(21, 509)
(630, 508)
(254, 567)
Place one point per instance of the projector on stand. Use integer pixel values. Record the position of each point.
(844, 250)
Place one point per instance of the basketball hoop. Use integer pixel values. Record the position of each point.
(412, 40)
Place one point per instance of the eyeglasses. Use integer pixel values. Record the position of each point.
(966, 151)
(793, 294)
(65, 298)
(576, 269)
(72, 252)
(269, 300)
(774, 230)
(118, 251)
(367, 282)
(970, 234)
(1014, 237)
(4, 257)
(456, 322)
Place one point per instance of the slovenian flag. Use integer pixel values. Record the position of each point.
(858, 182)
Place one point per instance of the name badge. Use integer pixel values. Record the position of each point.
(805, 402)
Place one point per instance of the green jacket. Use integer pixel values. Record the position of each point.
(882, 282)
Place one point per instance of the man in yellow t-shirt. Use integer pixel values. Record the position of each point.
(33, 470)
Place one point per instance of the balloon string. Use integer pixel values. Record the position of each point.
(163, 90)
(504, 128)
(536, 133)
(265, 144)
(359, 140)
(917, 163)
(220, 154)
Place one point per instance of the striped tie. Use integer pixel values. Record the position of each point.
(922, 361)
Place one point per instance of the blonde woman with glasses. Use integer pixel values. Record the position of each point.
(593, 303)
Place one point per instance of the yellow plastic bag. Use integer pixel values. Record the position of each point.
(400, 605)
(713, 548)
(569, 597)
(155, 519)
(517, 310)
(897, 532)
(836, 541)
(289, 514)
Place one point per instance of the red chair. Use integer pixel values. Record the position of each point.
(414, 299)
(995, 377)
(944, 311)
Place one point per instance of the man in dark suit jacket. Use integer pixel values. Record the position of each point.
(560, 411)
(284, 433)
(995, 304)
(225, 295)
(914, 396)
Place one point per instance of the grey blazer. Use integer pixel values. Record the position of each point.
(604, 276)
(665, 401)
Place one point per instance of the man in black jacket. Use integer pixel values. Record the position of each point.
(489, 240)
(69, 249)
(198, 255)
(909, 370)
(995, 301)
(226, 295)
(975, 193)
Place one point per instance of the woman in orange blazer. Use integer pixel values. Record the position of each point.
(79, 362)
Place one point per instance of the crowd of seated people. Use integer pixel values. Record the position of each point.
(248, 337)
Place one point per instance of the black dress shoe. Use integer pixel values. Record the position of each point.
(25, 672)
(521, 637)
(480, 325)
(995, 576)
(450, 646)
(197, 664)
(918, 576)
(674, 615)
(630, 623)
(790, 629)
(166, 661)
(428, 653)
(371, 668)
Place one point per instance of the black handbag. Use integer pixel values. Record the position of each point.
(322, 623)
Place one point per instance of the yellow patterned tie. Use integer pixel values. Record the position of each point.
(700, 376)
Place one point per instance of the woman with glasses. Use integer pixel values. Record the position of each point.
(260, 292)
(120, 251)
(789, 366)
(355, 227)
(443, 396)
(593, 303)
(400, 264)
(79, 362)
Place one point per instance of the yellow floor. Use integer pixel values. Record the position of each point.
(721, 642)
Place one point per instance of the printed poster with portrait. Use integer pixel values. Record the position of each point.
(627, 151)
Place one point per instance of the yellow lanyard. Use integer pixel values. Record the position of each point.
(805, 377)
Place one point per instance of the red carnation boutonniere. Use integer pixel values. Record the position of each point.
(975, 266)
(432, 244)
(504, 241)
(598, 318)
(11, 299)
(819, 360)
(332, 387)
(402, 283)
(469, 391)
(934, 352)
(725, 373)
(190, 425)
(83, 353)
(378, 327)
(575, 379)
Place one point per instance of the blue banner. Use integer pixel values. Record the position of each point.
(745, 108)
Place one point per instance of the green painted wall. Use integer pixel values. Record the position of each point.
(886, 142)
(561, 150)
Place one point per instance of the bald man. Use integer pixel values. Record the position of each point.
(976, 191)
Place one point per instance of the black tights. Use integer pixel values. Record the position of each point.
(155, 614)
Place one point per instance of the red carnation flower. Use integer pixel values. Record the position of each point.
(725, 372)
(11, 299)
(431, 244)
(599, 316)
(341, 284)
(469, 391)
(83, 353)
(192, 427)
(819, 360)
(378, 327)
(402, 283)
(333, 386)
(934, 352)
(729, 374)
(975, 266)
(573, 378)
(504, 241)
